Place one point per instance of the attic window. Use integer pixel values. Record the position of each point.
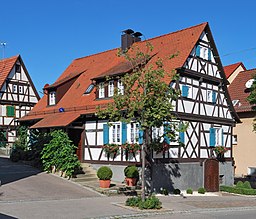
(17, 68)
(89, 89)
(236, 102)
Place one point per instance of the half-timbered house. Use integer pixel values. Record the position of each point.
(17, 97)
(70, 103)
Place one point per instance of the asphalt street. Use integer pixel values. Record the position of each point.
(27, 193)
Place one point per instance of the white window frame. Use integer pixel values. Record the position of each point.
(133, 136)
(20, 89)
(111, 88)
(101, 90)
(115, 131)
(120, 87)
(209, 96)
(204, 52)
(15, 88)
(52, 98)
(218, 136)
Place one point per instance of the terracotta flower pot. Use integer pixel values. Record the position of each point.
(105, 183)
(131, 181)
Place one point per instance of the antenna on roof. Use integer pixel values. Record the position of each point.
(3, 44)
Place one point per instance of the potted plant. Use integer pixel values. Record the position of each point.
(131, 150)
(220, 151)
(104, 174)
(132, 175)
(111, 150)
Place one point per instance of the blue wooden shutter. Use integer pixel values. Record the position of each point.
(124, 132)
(222, 138)
(198, 48)
(209, 55)
(166, 129)
(105, 134)
(182, 137)
(184, 91)
(141, 137)
(214, 96)
(212, 137)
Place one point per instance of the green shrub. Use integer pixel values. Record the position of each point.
(164, 191)
(247, 185)
(104, 173)
(15, 155)
(151, 202)
(131, 172)
(238, 190)
(60, 152)
(201, 190)
(240, 184)
(176, 191)
(189, 191)
(133, 201)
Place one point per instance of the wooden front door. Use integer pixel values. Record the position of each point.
(76, 135)
(211, 175)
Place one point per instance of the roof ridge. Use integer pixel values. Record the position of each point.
(204, 23)
(12, 57)
(187, 28)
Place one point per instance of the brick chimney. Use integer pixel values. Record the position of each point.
(128, 38)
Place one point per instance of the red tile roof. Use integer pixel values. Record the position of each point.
(6, 66)
(238, 91)
(94, 66)
(229, 69)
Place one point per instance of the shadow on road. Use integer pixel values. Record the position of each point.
(4, 216)
(10, 171)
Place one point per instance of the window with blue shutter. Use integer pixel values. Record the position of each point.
(214, 96)
(209, 55)
(105, 134)
(222, 138)
(184, 90)
(141, 137)
(212, 137)
(198, 48)
(124, 132)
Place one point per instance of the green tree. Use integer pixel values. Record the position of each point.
(252, 100)
(147, 98)
(60, 152)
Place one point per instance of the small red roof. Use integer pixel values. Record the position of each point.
(239, 92)
(6, 66)
(229, 69)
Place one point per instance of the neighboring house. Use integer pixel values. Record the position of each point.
(18, 96)
(232, 71)
(244, 138)
(70, 103)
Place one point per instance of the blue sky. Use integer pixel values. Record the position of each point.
(49, 34)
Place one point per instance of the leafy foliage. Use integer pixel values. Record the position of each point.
(3, 139)
(151, 202)
(147, 98)
(23, 139)
(104, 173)
(252, 99)
(238, 190)
(201, 190)
(131, 172)
(189, 191)
(60, 152)
(240, 184)
(176, 191)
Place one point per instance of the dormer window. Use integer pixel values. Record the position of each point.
(52, 98)
(101, 90)
(111, 88)
(120, 87)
